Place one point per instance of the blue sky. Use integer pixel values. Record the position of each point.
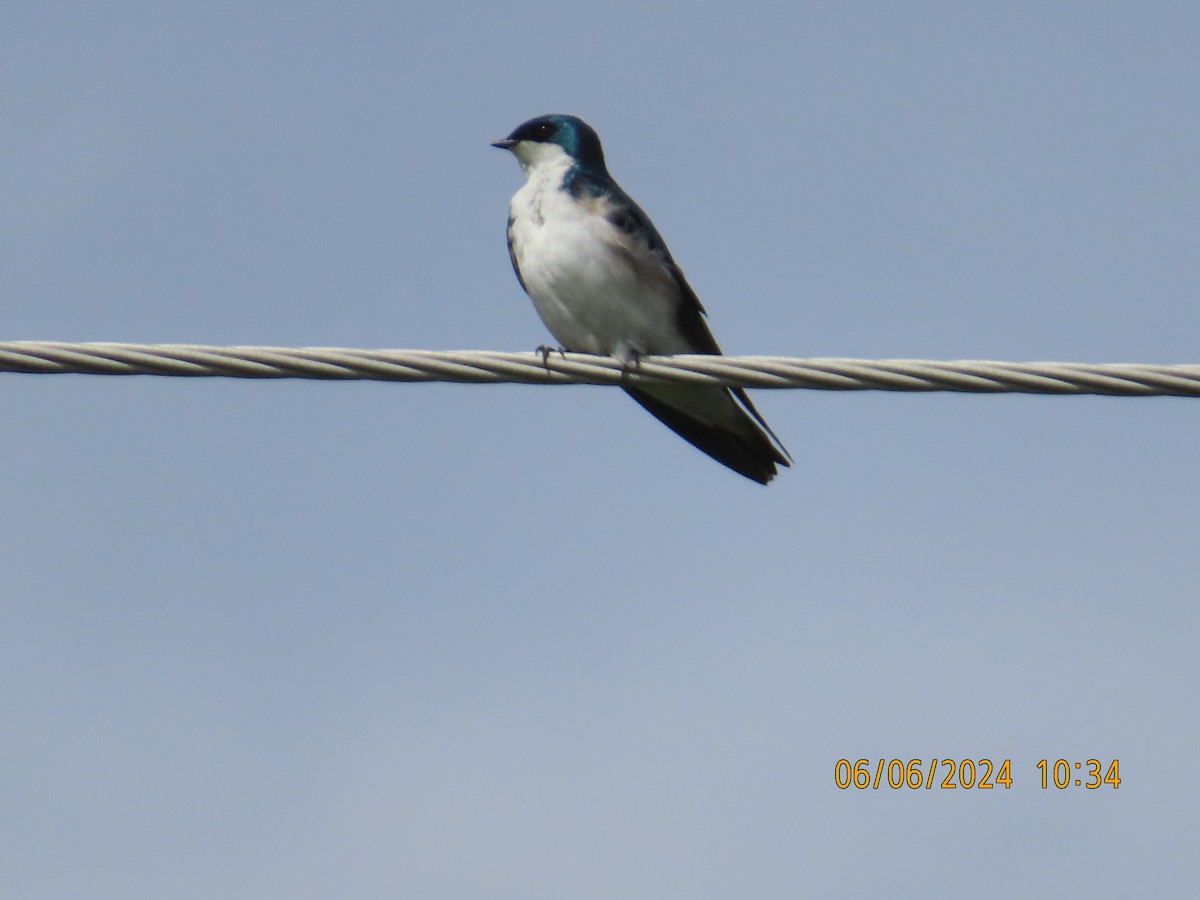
(379, 640)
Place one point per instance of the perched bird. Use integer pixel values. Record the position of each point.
(603, 282)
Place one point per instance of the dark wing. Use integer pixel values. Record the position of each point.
(512, 257)
(629, 218)
(742, 446)
(745, 447)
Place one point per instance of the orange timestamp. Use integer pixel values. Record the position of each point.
(969, 774)
(1064, 773)
(965, 774)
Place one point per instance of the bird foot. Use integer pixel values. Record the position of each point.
(631, 361)
(546, 351)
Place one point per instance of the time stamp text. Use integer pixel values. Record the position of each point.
(974, 774)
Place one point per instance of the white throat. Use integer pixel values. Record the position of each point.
(536, 158)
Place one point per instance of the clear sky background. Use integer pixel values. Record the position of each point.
(298, 639)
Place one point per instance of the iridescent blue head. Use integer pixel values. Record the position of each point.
(576, 137)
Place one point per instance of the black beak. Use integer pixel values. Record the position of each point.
(506, 144)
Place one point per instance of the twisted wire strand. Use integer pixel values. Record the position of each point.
(489, 367)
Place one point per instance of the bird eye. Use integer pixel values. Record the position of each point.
(537, 131)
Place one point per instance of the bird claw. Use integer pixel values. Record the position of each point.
(631, 360)
(545, 351)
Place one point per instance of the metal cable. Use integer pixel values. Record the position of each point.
(478, 366)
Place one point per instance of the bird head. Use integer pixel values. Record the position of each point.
(547, 138)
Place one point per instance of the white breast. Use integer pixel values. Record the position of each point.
(594, 291)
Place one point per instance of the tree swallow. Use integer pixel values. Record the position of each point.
(603, 282)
